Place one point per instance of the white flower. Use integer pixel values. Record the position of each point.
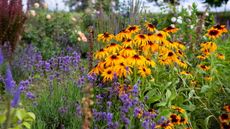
(48, 17)
(173, 19)
(172, 25)
(36, 5)
(79, 39)
(179, 21)
(206, 14)
(179, 18)
(192, 26)
(33, 13)
(160, 1)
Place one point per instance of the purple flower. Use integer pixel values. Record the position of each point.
(1, 56)
(109, 117)
(30, 95)
(16, 99)
(9, 82)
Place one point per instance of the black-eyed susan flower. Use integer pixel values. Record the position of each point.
(113, 60)
(183, 120)
(140, 39)
(221, 28)
(164, 61)
(113, 48)
(208, 78)
(186, 73)
(220, 56)
(105, 37)
(101, 54)
(127, 51)
(179, 45)
(204, 67)
(227, 108)
(224, 117)
(150, 62)
(108, 74)
(202, 57)
(161, 36)
(150, 27)
(127, 43)
(225, 125)
(122, 69)
(123, 35)
(136, 60)
(133, 29)
(208, 47)
(171, 29)
(213, 33)
(150, 47)
(180, 53)
(175, 119)
(181, 63)
(98, 69)
(144, 71)
(179, 109)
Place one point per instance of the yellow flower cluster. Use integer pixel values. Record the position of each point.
(133, 50)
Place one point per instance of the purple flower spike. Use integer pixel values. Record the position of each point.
(9, 81)
(16, 99)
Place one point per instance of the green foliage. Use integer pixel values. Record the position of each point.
(57, 108)
(50, 36)
(19, 118)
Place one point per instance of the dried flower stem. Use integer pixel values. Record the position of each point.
(91, 45)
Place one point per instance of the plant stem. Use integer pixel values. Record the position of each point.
(7, 124)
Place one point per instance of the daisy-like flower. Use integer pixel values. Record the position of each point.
(150, 62)
(171, 29)
(208, 78)
(225, 125)
(113, 48)
(213, 33)
(108, 74)
(224, 117)
(150, 46)
(113, 60)
(98, 69)
(140, 40)
(122, 69)
(208, 47)
(101, 54)
(183, 120)
(133, 29)
(123, 35)
(164, 61)
(181, 63)
(186, 73)
(179, 109)
(127, 43)
(175, 119)
(161, 35)
(105, 37)
(202, 57)
(144, 71)
(179, 45)
(204, 67)
(180, 53)
(220, 56)
(221, 28)
(136, 60)
(127, 51)
(150, 27)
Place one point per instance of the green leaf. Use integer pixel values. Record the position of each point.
(2, 118)
(27, 125)
(168, 94)
(161, 104)
(31, 115)
(204, 88)
(207, 120)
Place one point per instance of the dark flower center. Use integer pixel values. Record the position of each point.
(151, 26)
(214, 32)
(159, 35)
(106, 34)
(132, 28)
(170, 54)
(113, 57)
(136, 57)
(109, 72)
(142, 36)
